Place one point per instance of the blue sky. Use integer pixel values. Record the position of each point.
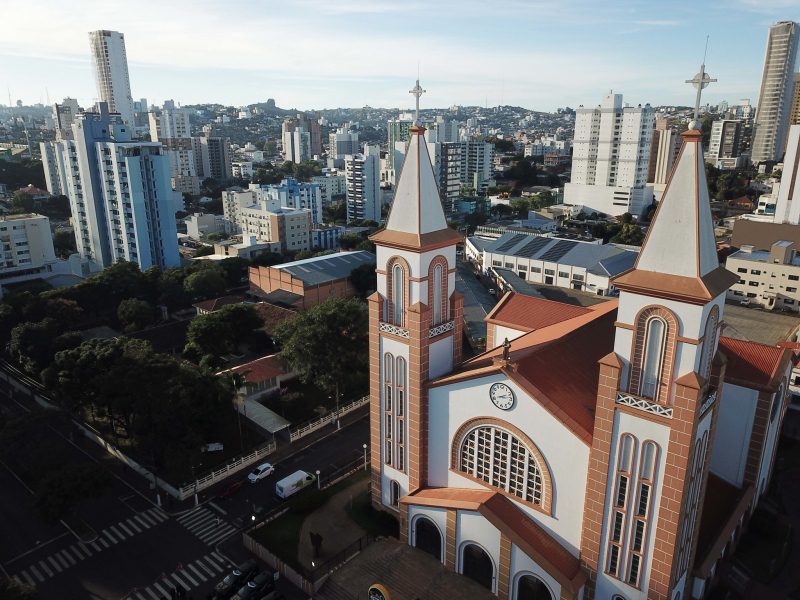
(540, 54)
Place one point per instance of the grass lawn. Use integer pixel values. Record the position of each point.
(282, 536)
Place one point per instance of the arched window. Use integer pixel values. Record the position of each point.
(427, 537)
(530, 587)
(398, 294)
(437, 294)
(641, 514)
(710, 342)
(399, 413)
(619, 512)
(388, 371)
(477, 565)
(394, 493)
(497, 457)
(777, 400)
(652, 363)
(388, 405)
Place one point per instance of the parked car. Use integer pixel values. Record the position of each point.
(260, 472)
(235, 578)
(745, 302)
(231, 489)
(492, 291)
(262, 583)
(293, 483)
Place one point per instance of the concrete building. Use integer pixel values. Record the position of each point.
(296, 145)
(724, 148)
(172, 128)
(666, 143)
(326, 237)
(768, 278)
(342, 143)
(397, 132)
(794, 117)
(476, 165)
(199, 225)
(242, 169)
(122, 203)
(290, 227)
(213, 157)
(305, 283)
(611, 154)
(310, 125)
(787, 207)
(64, 114)
(331, 185)
(563, 263)
(111, 73)
(362, 172)
(290, 193)
(777, 91)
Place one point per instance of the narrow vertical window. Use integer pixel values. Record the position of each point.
(709, 344)
(653, 358)
(398, 294)
(388, 405)
(641, 515)
(619, 514)
(437, 294)
(400, 426)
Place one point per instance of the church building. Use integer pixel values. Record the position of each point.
(612, 452)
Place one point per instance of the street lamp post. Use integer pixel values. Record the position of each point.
(338, 422)
(318, 483)
(196, 499)
(365, 456)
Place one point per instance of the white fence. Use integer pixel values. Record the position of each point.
(221, 473)
(302, 430)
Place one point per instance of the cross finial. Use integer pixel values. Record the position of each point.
(700, 82)
(416, 91)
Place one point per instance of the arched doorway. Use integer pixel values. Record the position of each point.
(427, 537)
(477, 565)
(530, 587)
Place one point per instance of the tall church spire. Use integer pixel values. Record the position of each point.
(679, 255)
(416, 219)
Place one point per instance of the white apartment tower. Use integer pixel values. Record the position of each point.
(724, 147)
(777, 87)
(342, 143)
(611, 153)
(172, 128)
(787, 208)
(363, 175)
(111, 73)
(121, 201)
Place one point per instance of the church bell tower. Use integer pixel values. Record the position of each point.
(415, 320)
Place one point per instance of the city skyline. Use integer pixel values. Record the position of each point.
(314, 54)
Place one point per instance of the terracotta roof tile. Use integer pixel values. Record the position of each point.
(216, 303)
(507, 517)
(273, 315)
(750, 363)
(260, 369)
(528, 313)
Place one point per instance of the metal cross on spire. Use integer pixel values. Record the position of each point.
(700, 82)
(416, 91)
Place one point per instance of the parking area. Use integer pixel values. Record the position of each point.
(759, 325)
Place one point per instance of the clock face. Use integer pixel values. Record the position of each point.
(502, 396)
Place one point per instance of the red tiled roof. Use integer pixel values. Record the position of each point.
(528, 313)
(273, 315)
(33, 190)
(507, 517)
(750, 363)
(216, 303)
(260, 369)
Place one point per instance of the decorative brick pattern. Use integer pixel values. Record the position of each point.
(637, 352)
(375, 303)
(444, 306)
(450, 539)
(457, 310)
(504, 567)
(419, 317)
(404, 523)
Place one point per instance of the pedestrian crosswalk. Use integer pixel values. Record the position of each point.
(206, 525)
(66, 558)
(187, 577)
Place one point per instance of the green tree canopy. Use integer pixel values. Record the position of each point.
(135, 314)
(221, 331)
(328, 345)
(205, 284)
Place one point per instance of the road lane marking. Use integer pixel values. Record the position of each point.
(158, 514)
(97, 547)
(180, 581)
(45, 568)
(104, 543)
(85, 548)
(146, 518)
(195, 518)
(197, 572)
(224, 512)
(35, 571)
(185, 573)
(133, 525)
(27, 578)
(228, 531)
(125, 529)
(161, 590)
(55, 563)
(220, 558)
(106, 533)
(144, 523)
(213, 564)
(117, 532)
(78, 551)
(205, 568)
(139, 596)
(72, 562)
(153, 595)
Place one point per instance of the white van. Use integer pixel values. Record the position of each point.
(293, 483)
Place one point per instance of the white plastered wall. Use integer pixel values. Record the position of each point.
(732, 435)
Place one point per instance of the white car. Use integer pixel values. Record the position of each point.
(260, 472)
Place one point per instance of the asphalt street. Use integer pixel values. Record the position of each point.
(477, 300)
(141, 550)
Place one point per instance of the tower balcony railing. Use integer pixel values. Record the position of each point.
(393, 329)
(441, 328)
(644, 404)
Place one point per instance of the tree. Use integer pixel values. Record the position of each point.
(31, 344)
(64, 243)
(364, 279)
(221, 331)
(328, 345)
(630, 234)
(22, 203)
(349, 241)
(60, 491)
(205, 284)
(204, 251)
(520, 207)
(135, 314)
(11, 589)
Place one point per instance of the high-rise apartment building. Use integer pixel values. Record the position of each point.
(311, 126)
(476, 165)
(172, 128)
(724, 148)
(611, 155)
(397, 134)
(666, 142)
(777, 88)
(342, 143)
(363, 175)
(111, 73)
(212, 156)
(794, 117)
(64, 114)
(787, 208)
(123, 206)
(296, 145)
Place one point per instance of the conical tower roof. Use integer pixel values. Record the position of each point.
(678, 259)
(416, 220)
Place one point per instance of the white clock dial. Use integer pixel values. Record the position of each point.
(502, 396)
